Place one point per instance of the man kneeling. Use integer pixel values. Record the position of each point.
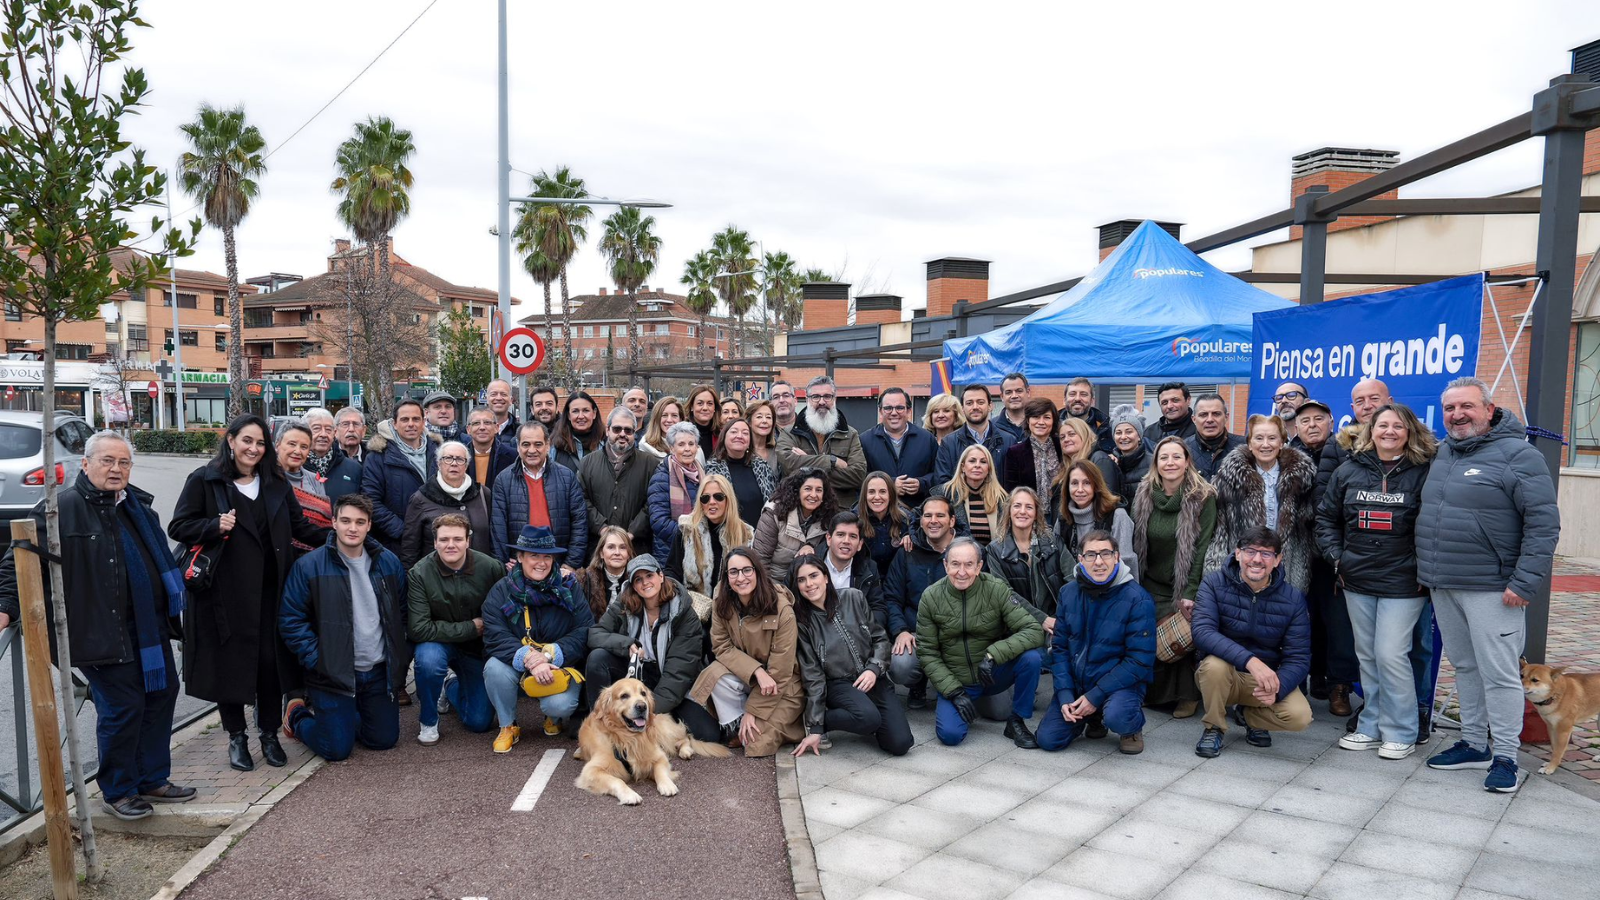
(1104, 650)
(341, 618)
(446, 592)
(1253, 634)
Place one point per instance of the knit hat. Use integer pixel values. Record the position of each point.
(1127, 412)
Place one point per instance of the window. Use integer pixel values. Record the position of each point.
(662, 328)
(73, 436)
(588, 353)
(16, 346)
(477, 312)
(1585, 452)
(73, 351)
(13, 313)
(588, 331)
(258, 318)
(112, 328)
(693, 331)
(557, 332)
(222, 342)
(221, 304)
(721, 334)
(19, 441)
(605, 331)
(622, 352)
(661, 352)
(189, 338)
(185, 301)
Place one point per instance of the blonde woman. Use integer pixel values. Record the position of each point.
(1028, 556)
(943, 416)
(705, 535)
(1266, 482)
(1078, 444)
(977, 500)
(668, 412)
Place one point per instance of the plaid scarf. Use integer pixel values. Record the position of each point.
(141, 591)
(321, 464)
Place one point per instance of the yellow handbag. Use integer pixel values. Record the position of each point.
(564, 677)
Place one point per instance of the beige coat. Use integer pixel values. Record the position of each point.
(751, 643)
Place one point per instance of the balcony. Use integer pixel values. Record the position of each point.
(277, 333)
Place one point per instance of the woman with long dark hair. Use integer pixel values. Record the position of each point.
(603, 580)
(578, 431)
(232, 653)
(763, 421)
(795, 521)
(1087, 504)
(885, 521)
(667, 412)
(702, 412)
(754, 686)
(844, 664)
(752, 479)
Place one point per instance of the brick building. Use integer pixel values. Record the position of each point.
(668, 332)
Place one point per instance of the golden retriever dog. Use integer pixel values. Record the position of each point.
(623, 741)
(1563, 700)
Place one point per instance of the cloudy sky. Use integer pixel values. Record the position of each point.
(865, 138)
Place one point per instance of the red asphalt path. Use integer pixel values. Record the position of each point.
(436, 822)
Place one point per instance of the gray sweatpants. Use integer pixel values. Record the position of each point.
(1484, 639)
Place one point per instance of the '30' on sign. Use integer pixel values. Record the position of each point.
(521, 351)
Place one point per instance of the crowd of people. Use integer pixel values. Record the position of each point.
(777, 577)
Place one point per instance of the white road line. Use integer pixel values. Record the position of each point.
(537, 781)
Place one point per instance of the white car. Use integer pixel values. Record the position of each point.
(22, 458)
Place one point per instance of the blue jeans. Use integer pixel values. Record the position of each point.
(504, 687)
(331, 724)
(1383, 628)
(466, 692)
(1123, 713)
(1422, 668)
(133, 728)
(1021, 675)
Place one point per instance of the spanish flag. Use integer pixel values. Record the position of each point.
(939, 379)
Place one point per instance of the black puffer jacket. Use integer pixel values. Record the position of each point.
(1366, 525)
(841, 647)
(1037, 579)
(1132, 467)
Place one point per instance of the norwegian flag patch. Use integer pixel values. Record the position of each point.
(1375, 520)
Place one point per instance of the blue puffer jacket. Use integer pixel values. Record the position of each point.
(389, 480)
(1235, 623)
(1105, 639)
(956, 442)
(344, 477)
(562, 619)
(663, 524)
(919, 455)
(317, 623)
(569, 513)
(909, 575)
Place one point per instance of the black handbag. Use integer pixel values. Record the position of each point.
(198, 562)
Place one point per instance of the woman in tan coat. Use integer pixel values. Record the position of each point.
(753, 687)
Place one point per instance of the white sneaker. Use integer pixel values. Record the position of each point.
(1396, 750)
(1359, 741)
(428, 735)
(443, 705)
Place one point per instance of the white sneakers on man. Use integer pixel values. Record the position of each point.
(429, 734)
(1395, 750)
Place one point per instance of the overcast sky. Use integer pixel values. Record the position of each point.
(863, 137)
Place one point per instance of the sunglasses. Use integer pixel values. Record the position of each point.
(621, 429)
(713, 498)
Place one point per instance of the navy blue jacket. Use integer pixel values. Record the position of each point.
(663, 524)
(1235, 623)
(389, 480)
(1105, 638)
(950, 449)
(344, 477)
(562, 622)
(1206, 461)
(569, 512)
(909, 575)
(317, 624)
(919, 454)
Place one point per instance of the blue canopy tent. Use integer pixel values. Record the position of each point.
(1151, 310)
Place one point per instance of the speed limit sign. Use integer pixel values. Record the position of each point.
(521, 351)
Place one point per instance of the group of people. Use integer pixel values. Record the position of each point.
(773, 574)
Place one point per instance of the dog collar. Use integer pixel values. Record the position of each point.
(1545, 702)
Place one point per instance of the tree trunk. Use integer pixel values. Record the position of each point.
(58, 599)
(551, 348)
(566, 332)
(633, 325)
(705, 325)
(236, 373)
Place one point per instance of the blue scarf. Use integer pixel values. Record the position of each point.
(146, 618)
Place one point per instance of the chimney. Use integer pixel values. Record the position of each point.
(1339, 168)
(953, 278)
(877, 309)
(824, 304)
(1586, 61)
(1114, 233)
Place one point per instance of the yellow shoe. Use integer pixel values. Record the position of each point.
(552, 727)
(508, 735)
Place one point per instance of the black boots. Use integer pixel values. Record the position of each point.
(272, 751)
(239, 752)
(1017, 731)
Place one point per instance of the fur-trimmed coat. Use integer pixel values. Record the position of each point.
(1241, 505)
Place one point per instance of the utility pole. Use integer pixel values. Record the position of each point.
(177, 337)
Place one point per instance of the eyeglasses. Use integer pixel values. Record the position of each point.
(1288, 395)
(826, 397)
(1098, 555)
(1257, 553)
(112, 462)
(713, 498)
(621, 429)
(895, 409)
(458, 460)
(741, 572)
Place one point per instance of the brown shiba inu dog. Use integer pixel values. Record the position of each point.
(1563, 700)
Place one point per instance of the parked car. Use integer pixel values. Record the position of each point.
(22, 457)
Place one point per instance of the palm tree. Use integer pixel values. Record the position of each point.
(631, 248)
(221, 171)
(545, 272)
(699, 274)
(733, 249)
(780, 290)
(560, 229)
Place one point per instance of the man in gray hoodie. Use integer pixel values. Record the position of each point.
(1486, 538)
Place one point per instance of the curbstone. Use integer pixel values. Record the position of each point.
(802, 855)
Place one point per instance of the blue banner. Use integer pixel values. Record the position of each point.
(1415, 340)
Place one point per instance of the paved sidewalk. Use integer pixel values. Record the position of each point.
(1301, 819)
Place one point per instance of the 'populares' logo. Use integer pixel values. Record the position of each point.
(1170, 270)
(1188, 346)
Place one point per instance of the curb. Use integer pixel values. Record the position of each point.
(802, 856)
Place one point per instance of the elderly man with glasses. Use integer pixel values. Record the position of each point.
(901, 448)
(616, 483)
(822, 439)
(124, 595)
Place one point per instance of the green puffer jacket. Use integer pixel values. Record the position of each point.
(443, 602)
(956, 628)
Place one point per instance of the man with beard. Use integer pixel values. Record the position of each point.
(1175, 417)
(1286, 400)
(1078, 403)
(1211, 441)
(979, 429)
(439, 409)
(822, 439)
(341, 474)
(900, 448)
(617, 481)
(545, 408)
(505, 423)
(782, 399)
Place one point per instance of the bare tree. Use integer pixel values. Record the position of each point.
(380, 328)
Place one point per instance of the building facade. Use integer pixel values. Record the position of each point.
(669, 332)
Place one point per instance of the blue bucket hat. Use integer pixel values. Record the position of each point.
(538, 539)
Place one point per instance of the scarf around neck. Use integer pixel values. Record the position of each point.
(682, 482)
(455, 493)
(1045, 462)
(321, 464)
(142, 594)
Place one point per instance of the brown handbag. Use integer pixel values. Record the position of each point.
(1174, 639)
